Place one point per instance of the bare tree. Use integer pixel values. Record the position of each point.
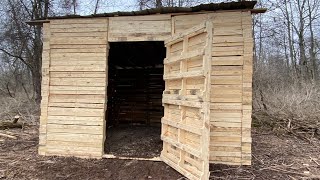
(23, 43)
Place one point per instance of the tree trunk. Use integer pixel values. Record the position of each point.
(158, 3)
(312, 47)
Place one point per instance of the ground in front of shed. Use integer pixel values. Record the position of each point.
(274, 157)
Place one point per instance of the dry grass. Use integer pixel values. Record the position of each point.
(291, 104)
(27, 109)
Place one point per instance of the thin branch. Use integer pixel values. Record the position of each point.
(18, 57)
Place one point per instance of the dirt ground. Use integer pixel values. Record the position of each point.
(134, 141)
(274, 157)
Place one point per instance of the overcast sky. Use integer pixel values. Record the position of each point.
(86, 7)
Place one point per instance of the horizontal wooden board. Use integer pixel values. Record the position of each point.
(64, 68)
(61, 111)
(226, 124)
(121, 37)
(96, 138)
(230, 30)
(78, 74)
(57, 144)
(77, 90)
(66, 49)
(183, 22)
(157, 17)
(74, 129)
(227, 39)
(78, 40)
(80, 30)
(144, 30)
(226, 70)
(97, 20)
(76, 105)
(77, 120)
(81, 47)
(77, 25)
(80, 62)
(226, 79)
(77, 98)
(228, 60)
(85, 82)
(226, 106)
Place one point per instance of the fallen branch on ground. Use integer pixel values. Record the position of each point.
(8, 136)
(9, 125)
(13, 124)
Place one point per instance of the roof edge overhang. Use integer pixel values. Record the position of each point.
(202, 8)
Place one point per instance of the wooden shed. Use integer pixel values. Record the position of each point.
(186, 72)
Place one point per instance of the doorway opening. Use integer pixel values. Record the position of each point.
(134, 104)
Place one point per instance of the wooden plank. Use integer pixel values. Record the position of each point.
(181, 146)
(73, 153)
(77, 25)
(77, 105)
(79, 68)
(226, 79)
(226, 70)
(157, 17)
(94, 138)
(224, 31)
(81, 47)
(60, 111)
(77, 98)
(78, 40)
(71, 144)
(228, 39)
(183, 22)
(228, 60)
(59, 90)
(58, 49)
(121, 29)
(80, 30)
(45, 88)
(226, 124)
(247, 88)
(80, 62)
(74, 129)
(111, 156)
(64, 56)
(78, 74)
(178, 125)
(96, 20)
(76, 120)
(85, 82)
(189, 33)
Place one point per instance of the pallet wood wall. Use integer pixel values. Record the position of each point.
(140, 28)
(74, 85)
(74, 81)
(231, 84)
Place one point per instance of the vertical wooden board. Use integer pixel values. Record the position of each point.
(247, 87)
(45, 89)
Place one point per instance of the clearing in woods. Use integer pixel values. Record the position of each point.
(274, 157)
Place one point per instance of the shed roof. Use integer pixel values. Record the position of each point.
(163, 10)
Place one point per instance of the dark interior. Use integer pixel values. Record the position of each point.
(135, 86)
